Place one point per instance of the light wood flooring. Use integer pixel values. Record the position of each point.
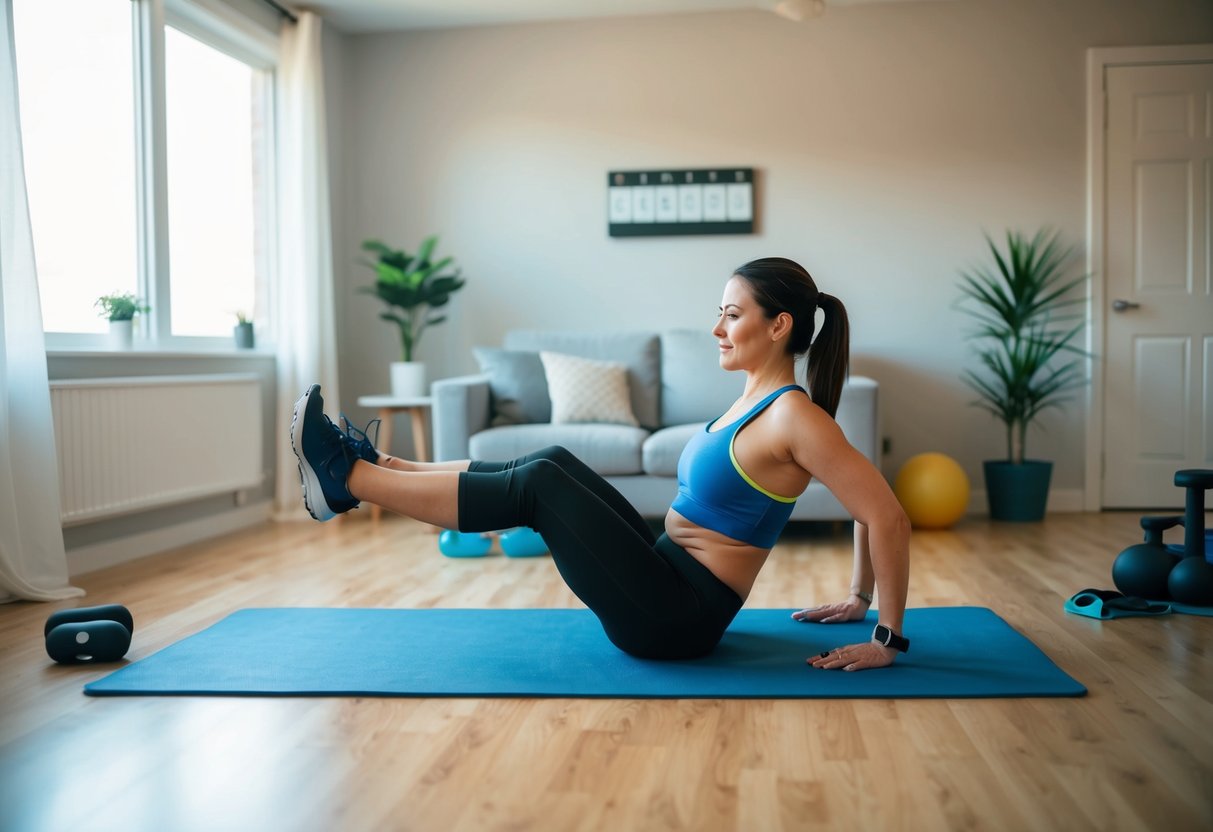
(1136, 753)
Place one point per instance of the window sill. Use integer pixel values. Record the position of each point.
(158, 352)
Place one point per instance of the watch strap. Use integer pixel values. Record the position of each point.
(888, 638)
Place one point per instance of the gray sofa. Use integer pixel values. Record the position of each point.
(675, 384)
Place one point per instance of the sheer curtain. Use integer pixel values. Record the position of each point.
(33, 565)
(305, 324)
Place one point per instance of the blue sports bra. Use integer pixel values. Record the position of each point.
(715, 493)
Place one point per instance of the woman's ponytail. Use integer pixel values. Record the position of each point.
(830, 355)
(783, 285)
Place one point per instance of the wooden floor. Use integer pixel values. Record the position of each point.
(1136, 753)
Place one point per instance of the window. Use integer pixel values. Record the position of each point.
(75, 67)
(214, 173)
(163, 195)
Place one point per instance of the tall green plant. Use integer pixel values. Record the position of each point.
(1023, 305)
(412, 286)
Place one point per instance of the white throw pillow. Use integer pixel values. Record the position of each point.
(584, 390)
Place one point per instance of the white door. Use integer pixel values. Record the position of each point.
(1158, 359)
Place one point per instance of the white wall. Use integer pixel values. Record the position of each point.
(887, 138)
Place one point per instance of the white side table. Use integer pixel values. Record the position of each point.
(389, 406)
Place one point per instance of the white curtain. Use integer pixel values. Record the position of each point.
(305, 326)
(33, 565)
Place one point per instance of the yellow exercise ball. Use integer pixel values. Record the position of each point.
(933, 490)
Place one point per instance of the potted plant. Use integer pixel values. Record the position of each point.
(412, 286)
(243, 332)
(1024, 308)
(120, 308)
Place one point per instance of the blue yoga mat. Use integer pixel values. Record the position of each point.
(956, 652)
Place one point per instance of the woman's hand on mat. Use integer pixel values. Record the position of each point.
(855, 657)
(852, 609)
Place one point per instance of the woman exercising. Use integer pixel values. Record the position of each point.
(671, 597)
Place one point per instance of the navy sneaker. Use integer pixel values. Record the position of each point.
(358, 442)
(325, 458)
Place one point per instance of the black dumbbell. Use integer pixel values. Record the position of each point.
(89, 634)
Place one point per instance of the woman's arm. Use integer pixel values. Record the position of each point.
(882, 531)
(863, 582)
(863, 585)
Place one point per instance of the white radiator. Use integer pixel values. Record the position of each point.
(127, 444)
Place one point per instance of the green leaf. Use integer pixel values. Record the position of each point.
(427, 248)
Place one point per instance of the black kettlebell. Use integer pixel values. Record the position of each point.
(1142, 570)
(89, 634)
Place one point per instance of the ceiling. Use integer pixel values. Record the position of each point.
(357, 16)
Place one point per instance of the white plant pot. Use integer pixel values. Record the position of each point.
(120, 335)
(408, 379)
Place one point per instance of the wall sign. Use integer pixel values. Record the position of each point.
(652, 203)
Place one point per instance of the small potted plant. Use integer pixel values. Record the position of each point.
(1026, 328)
(243, 332)
(120, 309)
(412, 286)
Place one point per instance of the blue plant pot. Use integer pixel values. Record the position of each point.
(1018, 493)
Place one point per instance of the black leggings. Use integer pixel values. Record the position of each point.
(654, 600)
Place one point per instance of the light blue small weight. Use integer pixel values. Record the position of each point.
(457, 545)
(523, 542)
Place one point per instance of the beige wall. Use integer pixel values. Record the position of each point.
(887, 138)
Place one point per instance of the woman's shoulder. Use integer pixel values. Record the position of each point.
(797, 404)
(797, 417)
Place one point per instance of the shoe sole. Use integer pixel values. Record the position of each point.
(319, 509)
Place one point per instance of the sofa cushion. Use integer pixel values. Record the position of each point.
(693, 387)
(518, 386)
(583, 390)
(661, 450)
(640, 351)
(608, 449)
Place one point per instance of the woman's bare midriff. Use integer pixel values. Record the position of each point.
(735, 563)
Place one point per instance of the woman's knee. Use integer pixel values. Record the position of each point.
(539, 474)
(555, 453)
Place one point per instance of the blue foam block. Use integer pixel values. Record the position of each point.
(957, 652)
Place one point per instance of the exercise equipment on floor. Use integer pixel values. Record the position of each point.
(521, 542)
(1106, 603)
(933, 489)
(89, 634)
(455, 544)
(1160, 572)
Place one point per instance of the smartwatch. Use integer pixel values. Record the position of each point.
(890, 639)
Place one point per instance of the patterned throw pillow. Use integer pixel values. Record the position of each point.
(584, 390)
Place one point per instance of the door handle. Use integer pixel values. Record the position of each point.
(1122, 305)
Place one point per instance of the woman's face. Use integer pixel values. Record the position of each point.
(743, 331)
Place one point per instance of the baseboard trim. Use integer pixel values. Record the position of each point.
(113, 552)
(1061, 501)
